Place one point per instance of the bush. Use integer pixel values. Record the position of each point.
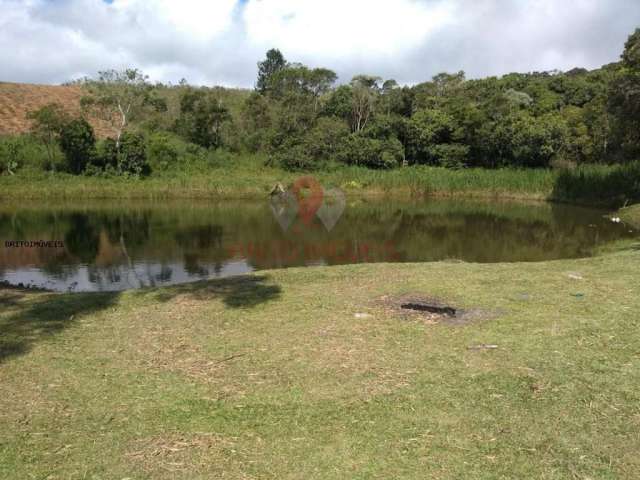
(295, 156)
(20, 152)
(312, 149)
(323, 141)
(450, 155)
(107, 157)
(9, 155)
(369, 152)
(78, 144)
(132, 155)
(162, 154)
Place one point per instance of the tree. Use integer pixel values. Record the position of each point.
(256, 121)
(578, 145)
(118, 97)
(631, 53)
(202, 115)
(365, 91)
(299, 79)
(516, 100)
(47, 122)
(78, 143)
(426, 129)
(273, 63)
(320, 82)
(357, 149)
(10, 153)
(526, 141)
(132, 156)
(436, 92)
(339, 103)
(394, 100)
(624, 97)
(448, 83)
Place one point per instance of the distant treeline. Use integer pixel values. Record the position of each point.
(301, 120)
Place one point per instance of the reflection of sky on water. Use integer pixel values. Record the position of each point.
(90, 278)
(112, 247)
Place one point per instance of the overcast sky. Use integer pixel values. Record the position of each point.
(220, 41)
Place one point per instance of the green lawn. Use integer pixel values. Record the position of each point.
(274, 376)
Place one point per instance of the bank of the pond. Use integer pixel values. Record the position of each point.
(252, 181)
(247, 177)
(631, 215)
(308, 373)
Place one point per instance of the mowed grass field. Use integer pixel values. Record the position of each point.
(311, 373)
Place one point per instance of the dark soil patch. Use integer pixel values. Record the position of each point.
(432, 310)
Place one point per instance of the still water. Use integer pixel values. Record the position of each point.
(117, 246)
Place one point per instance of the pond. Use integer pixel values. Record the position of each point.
(101, 246)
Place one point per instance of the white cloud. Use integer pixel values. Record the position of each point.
(199, 20)
(338, 28)
(220, 41)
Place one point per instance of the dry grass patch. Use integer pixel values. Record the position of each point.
(18, 99)
(185, 454)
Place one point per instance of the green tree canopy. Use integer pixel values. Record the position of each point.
(273, 63)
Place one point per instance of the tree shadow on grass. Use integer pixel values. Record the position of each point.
(244, 291)
(32, 317)
(40, 316)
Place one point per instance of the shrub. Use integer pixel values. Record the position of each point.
(132, 155)
(162, 154)
(294, 155)
(78, 143)
(20, 152)
(323, 141)
(9, 155)
(46, 124)
(202, 117)
(107, 156)
(368, 152)
(450, 155)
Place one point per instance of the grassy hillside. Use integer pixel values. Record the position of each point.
(18, 99)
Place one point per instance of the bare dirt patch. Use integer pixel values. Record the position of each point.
(431, 310)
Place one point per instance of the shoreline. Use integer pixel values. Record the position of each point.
(247, 180)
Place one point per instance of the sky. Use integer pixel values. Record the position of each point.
(218, 42)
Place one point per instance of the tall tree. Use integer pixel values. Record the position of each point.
(47, 122)
(202, 116)
(78, 143)
(301, 80)
(117, 97)
(320, 82)
(273, 63)
(364, 98)
(624, 97)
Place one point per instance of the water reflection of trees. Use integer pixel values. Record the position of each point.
(155, 244)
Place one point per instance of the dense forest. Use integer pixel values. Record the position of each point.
(299, 118)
